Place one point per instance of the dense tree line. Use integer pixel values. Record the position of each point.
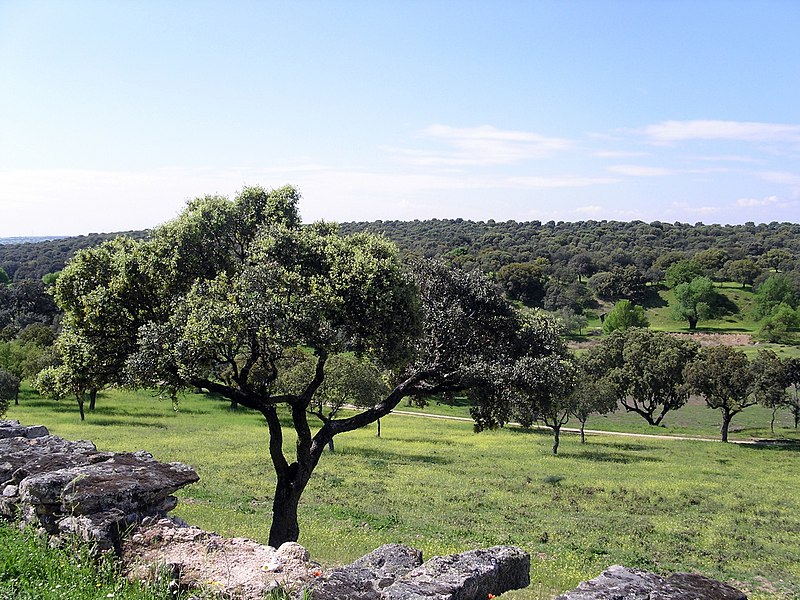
(586, 247)
(34, 260)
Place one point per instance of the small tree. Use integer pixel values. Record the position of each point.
(625, 315)
(593, 394)
(682, 271)
(545, 392)
(349, 381)
(9, 390)
(697, 301)
(744, 271)
(776, 290)
(572, 321)
(769, 382)
(780, 323)
(723, 377)
(792, 370)
(524, 281)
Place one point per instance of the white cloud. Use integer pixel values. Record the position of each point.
(558, 182)
(619, 154)
(782, 177)
(640, 171)
(751, 202)
(691, 209)
(481, 146)
(677, 131)
(589, 210)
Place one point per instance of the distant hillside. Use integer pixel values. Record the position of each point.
(29, 239)
(31, 258)
(489, 245)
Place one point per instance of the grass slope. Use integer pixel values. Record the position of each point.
(728, 511)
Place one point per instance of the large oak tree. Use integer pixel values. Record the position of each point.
(222, 297)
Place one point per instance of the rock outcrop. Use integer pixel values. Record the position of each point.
(233, 567)
(395, 572)
(65, 487)
(622, 583)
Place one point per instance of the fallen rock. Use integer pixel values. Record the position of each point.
(369, 575)
(621, 583)
(394, 572)
(470, 575)
(12, 429)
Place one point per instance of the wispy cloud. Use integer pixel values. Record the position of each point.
(751, 202)
(485, 145)
(619, 154)
(746, 131)
(781, 177)
(640, 171)
(558, 182)
(686, 208)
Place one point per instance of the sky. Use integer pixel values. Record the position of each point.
(114, 114)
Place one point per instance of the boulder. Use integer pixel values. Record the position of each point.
(369, 575)
(12, 429)
(621, 583)
(394, 572)
(470, 575)
(66, 487)
(229, 567)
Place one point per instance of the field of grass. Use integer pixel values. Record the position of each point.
(31, 570)
(729, 511)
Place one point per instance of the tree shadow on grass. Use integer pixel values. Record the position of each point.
(778, 444)
(381, 457)
(613, 457)
(652, 299)
(110, 421)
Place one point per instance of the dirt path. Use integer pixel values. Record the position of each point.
(408, 413)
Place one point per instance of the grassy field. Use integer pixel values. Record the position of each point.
(728, 511)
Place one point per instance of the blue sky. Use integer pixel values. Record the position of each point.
(113, 114)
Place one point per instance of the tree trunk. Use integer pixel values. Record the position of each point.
(583, 434)
(556, 434)
(92, 398)
(796, 415)
(692, 323)
(80, 406)
(234, 405)
(16, 403)
(379, 427)
(772, 421)
(285, 527)
(726, 421)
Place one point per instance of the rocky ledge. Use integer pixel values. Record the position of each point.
(65, 487)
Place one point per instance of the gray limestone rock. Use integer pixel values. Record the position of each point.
(621, 583)
(69, 487)
(470, 575)
(394, 572)
(365, 578)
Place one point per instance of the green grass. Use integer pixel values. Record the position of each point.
(31, 570)
(728, 511)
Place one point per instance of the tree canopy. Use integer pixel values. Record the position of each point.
(723, 377)
(222, 297)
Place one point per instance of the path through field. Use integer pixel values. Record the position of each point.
(409, 413)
